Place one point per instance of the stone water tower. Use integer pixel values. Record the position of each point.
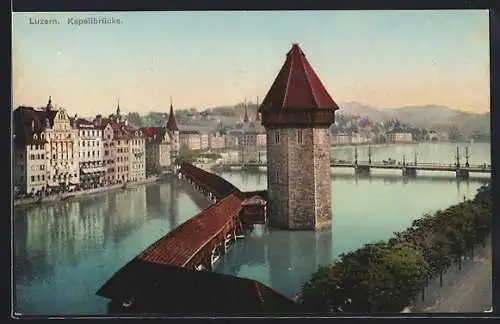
(296, 113)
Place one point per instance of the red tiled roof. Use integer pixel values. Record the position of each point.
(154, 135)
(84, 124)
(156, 289)
(29, 123)
(172, 124)
(180, 245)
(297, 86)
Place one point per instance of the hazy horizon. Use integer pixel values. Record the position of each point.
(383, 59)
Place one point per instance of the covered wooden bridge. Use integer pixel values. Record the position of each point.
(194, 245)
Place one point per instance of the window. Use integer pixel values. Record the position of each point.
(83, 143)
(38, 177)
(277, 137)
(42, 156)
(299, 136)
(48, 177)
(32, 178)
(88, 154)
(54, 157)
(32, 156)
(38, 156)
(43, 177)
(277, 176)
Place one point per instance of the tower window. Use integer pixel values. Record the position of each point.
(277, 137)
(299, 136)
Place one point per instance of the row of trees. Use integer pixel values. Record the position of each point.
(387, 276)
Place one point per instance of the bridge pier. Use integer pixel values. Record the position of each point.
(462, 174)
(409, 172)
(362, 170)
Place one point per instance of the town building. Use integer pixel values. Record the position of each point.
(296, 113)
(398, 136)
(340, 139)
(137, 153)
(204, 144)
(216, 141)
(109, 149)
(29, 151)
(173, 133)
(158, 150)
(191, 139)
(91, 152)
(63, 165)
(121, 146)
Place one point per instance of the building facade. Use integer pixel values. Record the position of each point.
(191, 139)
(137, 154)
(91, 153)
(158, 150)
(109, 155)
(216, 141)
(398, 137)
(122, 153)
(296, 113)
(63, 165)
(29, 152)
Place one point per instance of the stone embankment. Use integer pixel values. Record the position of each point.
(87, 192)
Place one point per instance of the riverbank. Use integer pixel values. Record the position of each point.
(88, 192)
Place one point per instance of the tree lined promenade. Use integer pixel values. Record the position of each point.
(388, 276)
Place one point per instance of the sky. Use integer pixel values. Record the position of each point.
(384, 59)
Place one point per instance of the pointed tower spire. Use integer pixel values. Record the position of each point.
(118, 107)
(171, 123)
(245, 119)
(257, 117)
(49, 104)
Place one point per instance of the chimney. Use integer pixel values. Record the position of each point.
(98, 120)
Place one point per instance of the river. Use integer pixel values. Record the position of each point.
(64, 252)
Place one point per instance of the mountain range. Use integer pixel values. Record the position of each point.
(430, 117)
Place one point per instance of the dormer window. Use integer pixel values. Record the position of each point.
(42, 135)
(35, 137)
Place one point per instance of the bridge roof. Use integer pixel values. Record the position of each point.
(180, 245)
(297, 86)
(163, 290)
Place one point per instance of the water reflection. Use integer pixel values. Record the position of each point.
(69, 231)
(279, 259)
(64, 252)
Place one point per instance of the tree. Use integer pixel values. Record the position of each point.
(135, 119)
(454, 134)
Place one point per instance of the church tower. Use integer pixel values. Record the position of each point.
(174, 133)
(296, 114)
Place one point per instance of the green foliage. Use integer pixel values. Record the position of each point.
(386, 276)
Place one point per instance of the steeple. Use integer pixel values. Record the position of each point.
(49, 104)
(257, 117)
(118, 107)
(245, 119)
(172, 124)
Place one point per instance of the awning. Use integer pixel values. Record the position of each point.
(94, 170)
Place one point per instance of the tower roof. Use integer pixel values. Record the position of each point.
(245, 119)
(297, 86)
(172, 124)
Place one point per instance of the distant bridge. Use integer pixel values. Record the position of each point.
(364, 167)
(462, 170)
